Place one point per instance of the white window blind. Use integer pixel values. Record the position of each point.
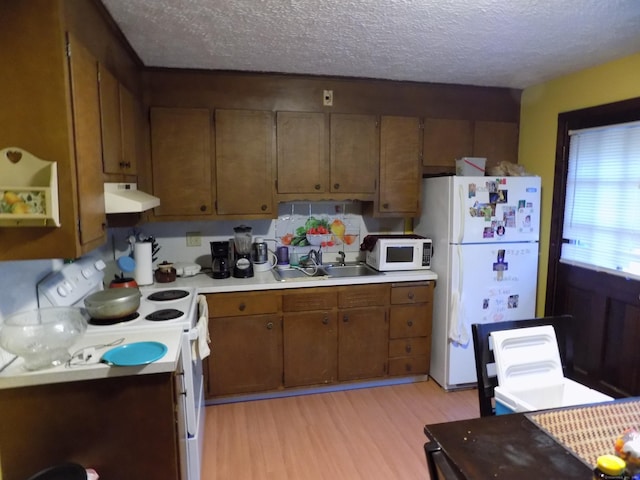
(601, 228)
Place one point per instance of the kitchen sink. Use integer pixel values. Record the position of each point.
(324, 272)
(358, 270)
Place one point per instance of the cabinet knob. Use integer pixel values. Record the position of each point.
(270, 326)
(203, 208)
(385, 206)
(410, 323)
(336, 186)
(345, 318)
(317, 186)
(410, 295)
(407, 348)
(263, 207)
(242, 306)
(325, 320)
(407, 367)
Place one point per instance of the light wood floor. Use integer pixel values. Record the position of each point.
(372, 433)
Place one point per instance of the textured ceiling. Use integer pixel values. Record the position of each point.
(503, 43)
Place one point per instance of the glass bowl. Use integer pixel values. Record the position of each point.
(42, 337)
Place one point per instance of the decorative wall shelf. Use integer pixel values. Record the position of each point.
(28, 190)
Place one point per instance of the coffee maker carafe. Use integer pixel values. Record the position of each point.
(220, 260)
(242, 239)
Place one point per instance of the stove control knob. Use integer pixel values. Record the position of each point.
(62, 291)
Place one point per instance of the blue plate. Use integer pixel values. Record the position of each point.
(139, 353)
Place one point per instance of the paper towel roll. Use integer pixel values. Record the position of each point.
(143, 272)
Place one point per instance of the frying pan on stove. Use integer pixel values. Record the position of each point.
(113, 303)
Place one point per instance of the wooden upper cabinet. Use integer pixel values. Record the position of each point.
(400, 175)
(302, 165)
(119, 128)
(497, 141)
(85, 105)
(444, 141)
(354, 153)
(244, 159)
(181, 161)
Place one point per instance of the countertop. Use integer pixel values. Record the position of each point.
(203, 282)
(15, 375)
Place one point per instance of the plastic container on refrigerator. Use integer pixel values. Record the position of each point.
(530, 376)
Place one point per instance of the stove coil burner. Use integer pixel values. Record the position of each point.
(164, 315)
(165, 295)
(113, 321)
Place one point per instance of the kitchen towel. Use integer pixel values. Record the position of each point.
(143, 272)
(201, 347)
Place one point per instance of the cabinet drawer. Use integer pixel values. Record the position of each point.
(363, 296)
(231, 305)
(310, 299)
(410, 321)
(403, 347)
(417, 365)
(412, 294)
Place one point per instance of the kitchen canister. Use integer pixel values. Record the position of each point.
(143, 272)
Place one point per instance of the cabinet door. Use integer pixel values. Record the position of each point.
(497, 141)
(85, 103)
(310, 348)
(354, 153)
(362, 343)
(118, 113)
(302, 160)
(131, 130)
(247, 356)
(181, 161)
(444, 141)
(112, 161)
(244, 154)
(400, 176)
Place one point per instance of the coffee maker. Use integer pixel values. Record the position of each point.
(242, 240)
(220, 260)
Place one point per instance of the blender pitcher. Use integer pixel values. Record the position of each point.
(242, 239)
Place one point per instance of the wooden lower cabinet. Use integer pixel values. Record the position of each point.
(301, 337)
(410, 328)
(123, 427)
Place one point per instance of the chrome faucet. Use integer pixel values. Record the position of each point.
(315, 256)
(342, 263)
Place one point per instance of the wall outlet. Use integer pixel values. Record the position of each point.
(327, 98)
(194, 239)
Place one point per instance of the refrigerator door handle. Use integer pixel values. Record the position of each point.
(461, 218)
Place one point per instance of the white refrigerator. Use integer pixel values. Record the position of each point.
(485, 233)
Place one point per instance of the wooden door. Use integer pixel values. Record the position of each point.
(181, 161)
(400, 175)
(244, 157)
(354, 153)
(247, 355)
(310, 342)
(85, 104)
(362, 343)
(302, 165)
(497, 141)
(444, 141)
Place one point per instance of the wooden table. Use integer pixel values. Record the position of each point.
(499, 447)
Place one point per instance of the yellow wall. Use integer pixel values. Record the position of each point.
(541, 104)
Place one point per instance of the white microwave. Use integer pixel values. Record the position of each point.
(400, 253)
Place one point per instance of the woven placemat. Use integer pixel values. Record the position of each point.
(589, 432)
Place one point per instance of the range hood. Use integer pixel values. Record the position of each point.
(126, 198)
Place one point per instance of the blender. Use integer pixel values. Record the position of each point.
(242, 264)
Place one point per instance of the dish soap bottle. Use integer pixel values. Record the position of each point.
(610, 467)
